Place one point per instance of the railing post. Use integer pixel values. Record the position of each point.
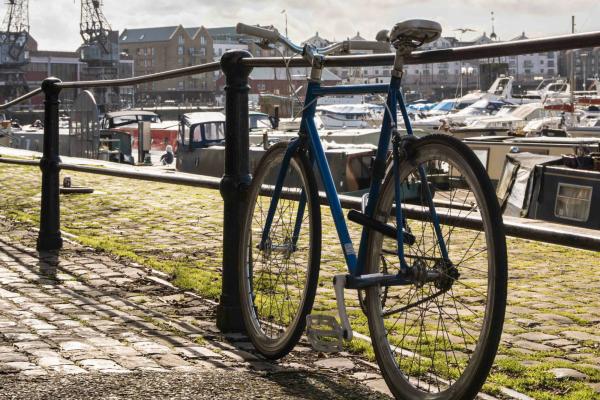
(49, 237)
(234, 185)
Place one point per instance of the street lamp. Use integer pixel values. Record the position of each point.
(583, 62)
(284, 11)
(466, 71)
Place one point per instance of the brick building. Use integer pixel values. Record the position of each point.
(165, 48)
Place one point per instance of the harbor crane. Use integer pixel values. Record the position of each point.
(14, 33)
(93, 26)
(100, 48)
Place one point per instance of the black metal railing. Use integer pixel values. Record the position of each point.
(237, 65)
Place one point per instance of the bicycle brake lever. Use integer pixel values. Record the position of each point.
(265, 44)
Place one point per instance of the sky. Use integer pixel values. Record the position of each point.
(55, 23)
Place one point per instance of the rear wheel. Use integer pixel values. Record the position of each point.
(437, 337)
(278, 277)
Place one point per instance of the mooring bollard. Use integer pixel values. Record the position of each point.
(49, 237)
(234, 185)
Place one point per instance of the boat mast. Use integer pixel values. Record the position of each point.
(572, 60)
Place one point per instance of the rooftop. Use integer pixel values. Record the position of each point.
(145, 35)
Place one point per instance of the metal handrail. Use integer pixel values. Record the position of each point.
(16, 101)
(492, 50)
(555, 43)
(159, 76)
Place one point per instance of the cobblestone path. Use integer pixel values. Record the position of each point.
(85, 313)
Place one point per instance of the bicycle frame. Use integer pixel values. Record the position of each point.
(309, 133)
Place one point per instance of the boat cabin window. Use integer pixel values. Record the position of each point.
(483, 155)
(214, 131)
(501, 85)
(557, 87)
(186, 134)
(573, 202)
(201, 134)
(197, 133)
(260, 121)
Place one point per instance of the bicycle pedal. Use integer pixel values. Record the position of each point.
(324, 333)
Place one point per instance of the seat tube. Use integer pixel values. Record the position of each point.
(379, 165)
(425, 185)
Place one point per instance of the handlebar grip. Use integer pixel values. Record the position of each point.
(271, 35)
(369, 45)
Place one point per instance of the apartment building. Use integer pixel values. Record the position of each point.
(165, 48)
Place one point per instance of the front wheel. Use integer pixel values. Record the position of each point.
(279, 271)
(437, 337)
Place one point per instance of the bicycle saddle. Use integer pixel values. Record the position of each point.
(412, 32)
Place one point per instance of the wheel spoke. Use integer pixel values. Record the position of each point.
(432, 327)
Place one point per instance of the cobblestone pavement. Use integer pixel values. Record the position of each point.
(67, 320)
(551, 341)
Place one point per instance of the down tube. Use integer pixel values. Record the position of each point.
(332, 196)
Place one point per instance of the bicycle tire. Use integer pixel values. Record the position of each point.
(399, 347)
(260, 275)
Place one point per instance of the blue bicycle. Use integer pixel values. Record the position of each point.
(431, 270)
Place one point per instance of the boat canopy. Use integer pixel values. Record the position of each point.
(203, 117)
(127, 117)
(202, 129)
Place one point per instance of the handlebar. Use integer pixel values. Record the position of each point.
(268, 35)
(273, 36)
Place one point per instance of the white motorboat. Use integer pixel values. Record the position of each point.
(481, 108)
(511, 119)
(340, 116)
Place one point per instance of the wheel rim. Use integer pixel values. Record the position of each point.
(276, 276)
(437, 336)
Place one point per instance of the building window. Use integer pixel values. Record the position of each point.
(202, 40)
(573, 202)
(181, 41)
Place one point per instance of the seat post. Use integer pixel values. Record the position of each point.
(398, 69)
